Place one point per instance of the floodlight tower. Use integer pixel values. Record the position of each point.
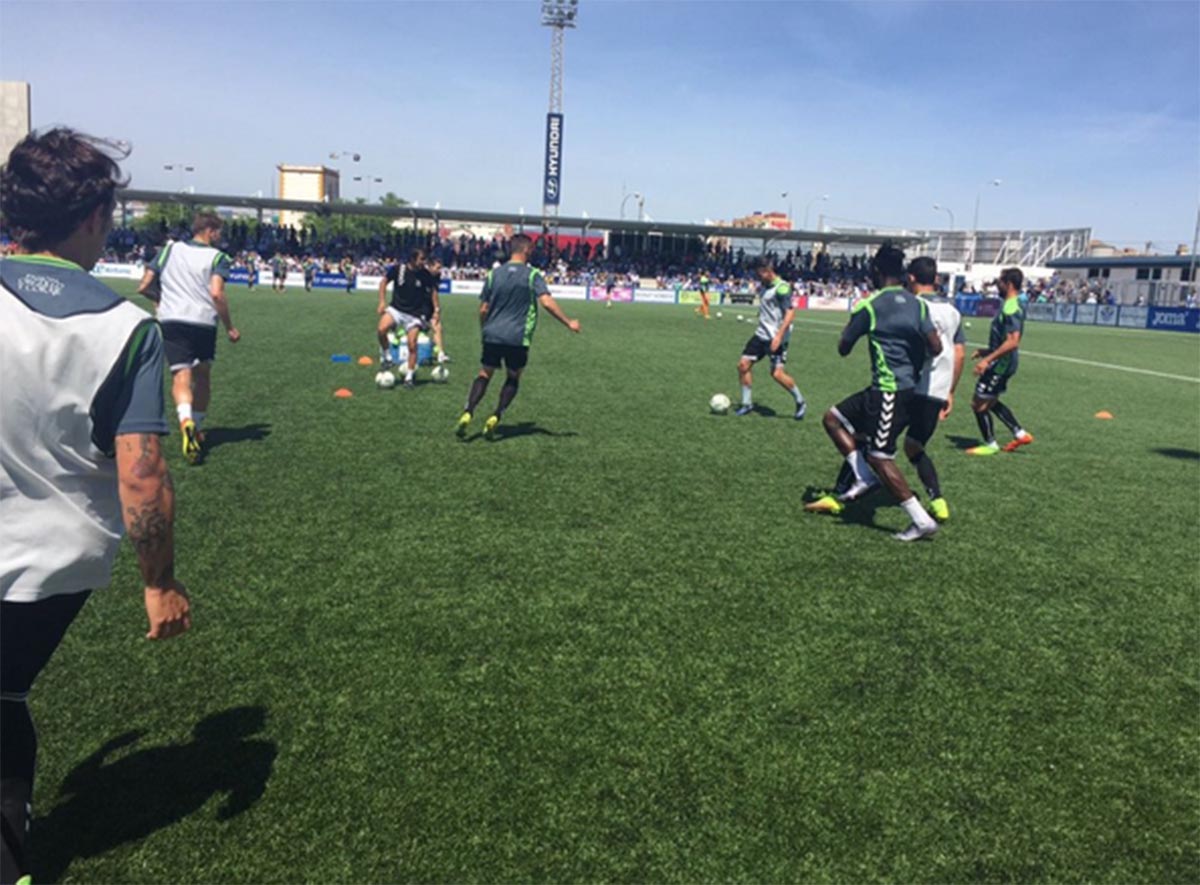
(557, 15)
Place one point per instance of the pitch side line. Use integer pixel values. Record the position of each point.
(1054, 356)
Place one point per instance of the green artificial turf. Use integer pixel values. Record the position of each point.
(611, 646)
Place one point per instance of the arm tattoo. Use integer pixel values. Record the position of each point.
(151, 534)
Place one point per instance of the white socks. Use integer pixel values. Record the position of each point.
(747, 399)
(184, 411)
(862, 470)
(916, 512)
(797, 395)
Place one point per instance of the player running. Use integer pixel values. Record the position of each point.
(704, 299)
(435, 322)
(508, 314)
(900, 334)
(997, 365)
(251, 272)
(350, 272)
(933, 399)
(775, 315)
(410, 309)
(189, 281)
(279, 272)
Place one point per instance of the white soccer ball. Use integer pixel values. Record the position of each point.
(719, 404)
(440, 374)
(720, 315)
(385, 380)
(740, 317)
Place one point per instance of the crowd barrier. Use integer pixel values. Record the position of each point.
(1169, 319)
(1128, 316)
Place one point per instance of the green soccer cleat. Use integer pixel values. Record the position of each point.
(992, 448)
(464, 422)
(489, 429)
(191, 441)
(939, 509)
(828, 504)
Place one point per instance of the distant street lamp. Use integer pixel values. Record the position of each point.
(180, 168)
(995, 182)
(641, 204)
(940, 208)
(820, 199)
(370, 180)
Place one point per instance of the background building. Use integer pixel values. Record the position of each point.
(14, 115)
(315, 184)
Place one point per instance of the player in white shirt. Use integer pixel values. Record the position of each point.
(81, 412)
(187, 280)
(934, 395)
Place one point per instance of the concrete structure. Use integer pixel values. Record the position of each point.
(14, 115)
(1164, 280)
(306, 184)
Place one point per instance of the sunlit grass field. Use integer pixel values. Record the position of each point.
(611, 646)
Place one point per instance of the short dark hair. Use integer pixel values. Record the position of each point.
(520, 243)
(762, 262)
(54, 180)
(416, 254)
(888, 262)
(1012, 276)
(923, 270)
(206, 220)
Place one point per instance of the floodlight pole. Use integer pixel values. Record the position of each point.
(557, 15)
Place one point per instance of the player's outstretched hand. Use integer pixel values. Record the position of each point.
(381, 310)
(168, 610)
(947, 409)
(574, 326)
(234, 336)
(981, 367)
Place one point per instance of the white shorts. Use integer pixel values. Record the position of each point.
(405, 321)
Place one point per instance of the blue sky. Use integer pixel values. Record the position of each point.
(1089, 113)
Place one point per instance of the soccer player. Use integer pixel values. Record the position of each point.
(310, 272)
(933, 398)
(508, 314)
(704, 299)
(435, 280)
(81, 413)
(775, 315)
(350, 272)
(251, 271)
(410, 309)
(189, 279)
(279, 272)
(900, 333)
(996, 367)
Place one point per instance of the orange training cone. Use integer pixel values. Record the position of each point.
(342, 393)
(1104, 416)
(365, 361)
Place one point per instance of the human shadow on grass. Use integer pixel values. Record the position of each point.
(962, 443)
(103, 805)
(516, 431)
(216, 437)
(1181, 454)
(860, 512)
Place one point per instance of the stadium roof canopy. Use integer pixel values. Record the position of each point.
(1123, 261)
(518, 220)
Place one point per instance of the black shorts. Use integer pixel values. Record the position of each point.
(991, 385)
(880, 416)
(760, 348)
(924, 414)
(513, 357)
(187, 345)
